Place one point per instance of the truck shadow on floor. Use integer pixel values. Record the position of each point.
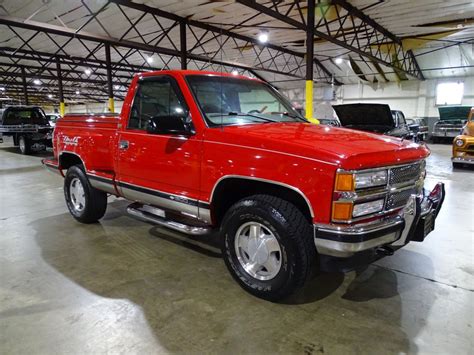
(15, 150)
(464, 168)
(21, 170)
(321, 285)
(188, 297)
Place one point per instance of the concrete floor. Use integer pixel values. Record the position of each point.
(124, 286)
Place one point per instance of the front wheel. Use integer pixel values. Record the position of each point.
(85, 203)
(268, 246)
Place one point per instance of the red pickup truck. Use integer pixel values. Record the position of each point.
(201, 151)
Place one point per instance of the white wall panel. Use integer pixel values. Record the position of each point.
(414, 98)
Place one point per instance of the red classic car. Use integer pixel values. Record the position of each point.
(201, 151)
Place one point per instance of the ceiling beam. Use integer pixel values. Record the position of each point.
(71, 33)
(51, 77)
(39, 69)
(405, 60)
(221, 31)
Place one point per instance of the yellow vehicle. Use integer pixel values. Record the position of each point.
(463, 145)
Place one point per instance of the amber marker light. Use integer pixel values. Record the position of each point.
(342, 211)
(345, 182)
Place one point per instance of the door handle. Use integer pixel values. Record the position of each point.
(123, 145)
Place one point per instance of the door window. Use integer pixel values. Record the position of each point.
(401, 118)
(155, 97)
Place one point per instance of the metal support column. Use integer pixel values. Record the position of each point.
(62, 107)
(182, 41)
(309, 60)
(109, 78)
(25, 90)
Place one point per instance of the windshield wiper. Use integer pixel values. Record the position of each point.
(251, 115)
(286, 113)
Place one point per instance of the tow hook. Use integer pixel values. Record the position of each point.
(385, 251)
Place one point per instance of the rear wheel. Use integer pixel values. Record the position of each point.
(268, 246)
(85, 203)
(25, 145)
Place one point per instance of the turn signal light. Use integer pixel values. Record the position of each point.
(342, 211)
(345, 182)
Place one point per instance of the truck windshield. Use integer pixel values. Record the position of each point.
(233, 101)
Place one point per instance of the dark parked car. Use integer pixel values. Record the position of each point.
(419, 127)
(29, 127)
(376, 118)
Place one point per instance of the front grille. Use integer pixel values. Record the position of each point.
(398, 199)
(403, 182)
(470, 148)
(405, 174)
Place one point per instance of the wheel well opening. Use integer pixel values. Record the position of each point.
(66, 160)
(231, 190)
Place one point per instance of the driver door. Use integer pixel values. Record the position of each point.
(158, 169)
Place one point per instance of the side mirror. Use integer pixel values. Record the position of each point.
(170, 124)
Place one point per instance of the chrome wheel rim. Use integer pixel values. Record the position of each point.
(77, 195)
(22, 144)
(258, 251)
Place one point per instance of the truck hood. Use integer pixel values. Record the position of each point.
(345, 148)
(454, 113)
(368, 117)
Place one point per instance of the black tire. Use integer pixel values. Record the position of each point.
(24, 145)
(95, 201)
(293, 233)
(458, 165)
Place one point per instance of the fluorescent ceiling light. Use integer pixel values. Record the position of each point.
(37, 82)
(338, 60)
(263, 37)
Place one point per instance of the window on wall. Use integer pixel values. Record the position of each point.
(449, 93)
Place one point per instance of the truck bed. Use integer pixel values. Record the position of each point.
(99, 130)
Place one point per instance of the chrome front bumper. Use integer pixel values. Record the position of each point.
(412, 223)
(463, 160)
(447, 134)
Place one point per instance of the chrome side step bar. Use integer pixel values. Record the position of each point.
(134, 210)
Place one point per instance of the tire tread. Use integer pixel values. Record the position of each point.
(97, 200)
(298, 230)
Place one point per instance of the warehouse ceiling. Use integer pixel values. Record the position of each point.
(354, 41)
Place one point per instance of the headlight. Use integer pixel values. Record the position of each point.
(366, 208)
(376, 178)
(351, 182)
(459, 142)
